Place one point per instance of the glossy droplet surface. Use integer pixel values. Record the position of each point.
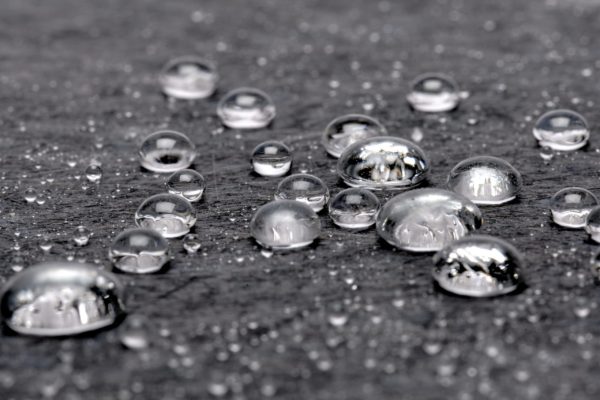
(485, 180)
(188, 78)
(562, 130)
(246, 108)
(81, 235)
(285, 224)
(61, 298)
(570, 206)
(348, 129)
(191, 243)
(433, 93)
(169, 214)
(139, 251)
(304, 188)
(592, 225)
(271, 158)
(93, 173)
(166, 151)
(354, 208)
(186, 183)
(425, 220)
(478, 266)
(383, 162)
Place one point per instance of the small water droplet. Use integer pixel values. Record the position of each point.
(189, 78)
(271, 158)
(354, 208)
(186, 183)
(139, 251)
(191, 243)
(93, 173)
(171, 215)
(81, 235)
(304, 188)
(434, 93)
(246, 108)
(30, 195)
(348, 129)
(166, 151)
(562, 130)
(571, 206)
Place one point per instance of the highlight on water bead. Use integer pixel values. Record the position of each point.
(246, 108)
(271, 159)
(139, 251)
(170, 215)
(571, 206)
(304, 188)
(433, 92)
(189, 78)
(166, 151)
(562, 130)
(186, 183)
(354, 208)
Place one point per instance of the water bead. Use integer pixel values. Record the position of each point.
(478, 266)
(139, 251)
(169, 214)
(81, 235)
(592, 225)
(30, 195)
(571, 206)
(425, 220)
(271, 158)
(304, 188)
(348, 129)
(186, 183)
(246, 108)
(166, 151)
(188, 78)
(61, 298)
(354, 208)
(433, 93)
(383, 162)
(93, 173)
(191, 243)
(562, 130)
(285, 224)
(485, 180)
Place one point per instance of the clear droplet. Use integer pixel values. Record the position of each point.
(570, 206)
(133, 334)
(425, 220)
(167, 151)
(186, 183)
(61, 298)
(354, 208)
(246, 108)
(139, 251)
(348, 129)
(81, 235)
(169, 214)
(478, 266)
(188, 78)
(93, 173)
(304, 188)
(592, 225)
(30, 195)
(383, 162)
(271, 158)
(285, 224)
(191, 243)
(433, 93)
(485, 180)
(562, 130)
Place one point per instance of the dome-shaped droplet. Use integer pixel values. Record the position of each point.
(93, 173)
(169, 214)
(188, 78)
(81, 235)
(271, 158)
(424, 220)
(354, 208)
(485, 180)
(191, 243)
(433, 93)
(478, 266)
(562, 130)
(166, 151)
(305, 188)
(61, 298)
(246, 108)
(348, 129)
(186, 183)
(592, 225)
(383, 162)
(570, 206)
(285, 224)
(139, 251)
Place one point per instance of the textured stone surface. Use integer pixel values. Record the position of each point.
(349, 318)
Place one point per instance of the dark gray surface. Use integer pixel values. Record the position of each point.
(78, 82)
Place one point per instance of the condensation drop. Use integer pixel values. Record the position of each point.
(570, 206)
(166, 151)
(186, 183)
(169, 214)
(246, 108)
(354, 208)
(562, 130)
(271, 158)
(139, 251)
(304, 188)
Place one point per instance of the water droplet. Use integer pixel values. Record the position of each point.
(570, 206)
(425, 220)
(166, 151)
(547, 154)
(285, 224)
(188, 78)
(271, 158)
(592, 225)
(81, 235)
(348, 129)
(562, 130)
(246, 108)
(191, 243)
(93, 173)
(354, 208)
(139, 251)
(61, 298)
(169, 214)
(478, 266)
(383, 162)
(485, 180)
(30, 195)
(133, 334)
(186, 183)
(304, 188)
(433, 93)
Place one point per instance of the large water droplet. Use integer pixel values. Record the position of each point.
(271, 158)
(169, 214)
(166, 151)
(186, 183)
(383, 162)
(427, 219)
(61, 298)
(354, 208)
(433, 93)
(348, 129)
(570, 206)
(562, 130)
(592, 225)
(305, 188)
(139, 251)
(246, 108)
(188, 78)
